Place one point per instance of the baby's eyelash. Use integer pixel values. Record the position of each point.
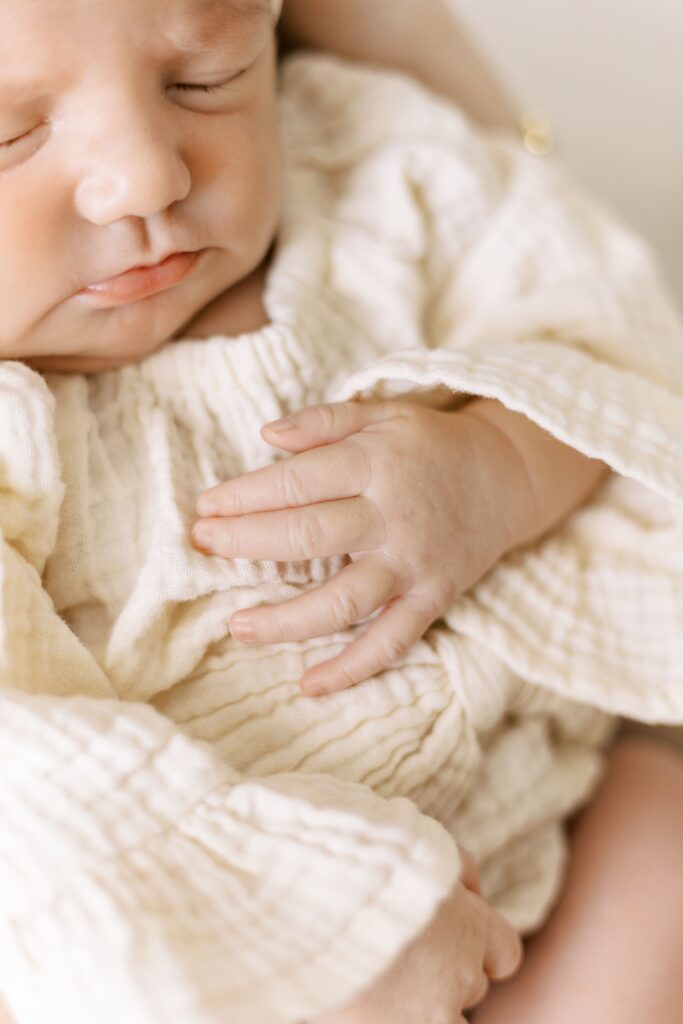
(19, 138)
(184, 86)
(200, 88)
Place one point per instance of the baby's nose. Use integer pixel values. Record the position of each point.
(134, 172)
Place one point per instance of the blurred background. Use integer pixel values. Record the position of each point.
(609, 75)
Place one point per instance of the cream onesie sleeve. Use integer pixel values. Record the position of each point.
(477, 268)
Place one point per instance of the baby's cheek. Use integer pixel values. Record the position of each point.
(25, 283)
(262, 193)
(238, 172)
(259, 173)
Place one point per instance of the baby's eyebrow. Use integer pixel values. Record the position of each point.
(205, 21)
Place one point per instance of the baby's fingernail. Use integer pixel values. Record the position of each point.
(242, 630)
(314, 689)
(278, 426)
(201, 536)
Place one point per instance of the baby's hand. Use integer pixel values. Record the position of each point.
(423, 501)
(445, 970)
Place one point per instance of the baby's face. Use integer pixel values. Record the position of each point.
(130, 130)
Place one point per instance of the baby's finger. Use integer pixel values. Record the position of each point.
(323, 424)
(469, 874)
(388, 636)
(317, 475)
(292, 535)
(358, 590)
(504, 949)
(479, 991)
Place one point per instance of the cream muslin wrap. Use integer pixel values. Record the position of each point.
(188, 840)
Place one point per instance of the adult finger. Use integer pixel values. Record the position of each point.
(395, 629)
(504, 948)
(327, 422)
(342, 471)
(314, 531)
(358, 590)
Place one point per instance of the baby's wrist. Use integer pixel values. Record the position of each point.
(552, 479)
(514, 492)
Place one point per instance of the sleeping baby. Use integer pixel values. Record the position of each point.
(306, 384)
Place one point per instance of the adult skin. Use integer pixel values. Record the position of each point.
(440, 53)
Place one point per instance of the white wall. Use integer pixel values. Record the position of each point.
(610, 73)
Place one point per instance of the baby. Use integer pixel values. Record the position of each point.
(188, 253)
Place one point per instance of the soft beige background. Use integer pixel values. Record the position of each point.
(610, 72)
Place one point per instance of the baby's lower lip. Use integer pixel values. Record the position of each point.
(140, 282)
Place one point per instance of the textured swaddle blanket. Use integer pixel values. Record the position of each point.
(185, 838)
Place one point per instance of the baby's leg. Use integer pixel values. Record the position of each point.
(611, 952)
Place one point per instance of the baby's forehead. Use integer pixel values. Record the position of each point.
(32, 25)
(15, 10)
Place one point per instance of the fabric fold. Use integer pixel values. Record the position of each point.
(139, 871)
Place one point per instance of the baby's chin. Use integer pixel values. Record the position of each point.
(91, 361)
(217, 301)
(128, 333)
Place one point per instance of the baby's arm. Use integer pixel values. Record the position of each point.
(560, 478)
(384, 31)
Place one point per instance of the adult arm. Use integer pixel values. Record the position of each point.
(422, 37)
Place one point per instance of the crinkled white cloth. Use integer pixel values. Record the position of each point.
(185, 838)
